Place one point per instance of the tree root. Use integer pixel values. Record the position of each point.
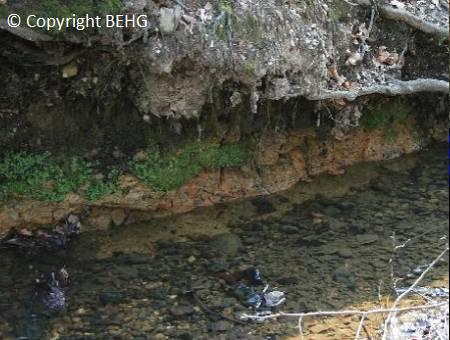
(396, 88)
(37, 37)
(408, 18)
(24, 33)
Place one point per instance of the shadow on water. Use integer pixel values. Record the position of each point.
(327, 252)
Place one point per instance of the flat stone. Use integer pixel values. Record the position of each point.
(343, 276)
(225, 244)
(107, 298)
(263, 205)
(182, 310)
(220, 326)
(366, 238)
(345, 253)
(332, 211)
(289, 229)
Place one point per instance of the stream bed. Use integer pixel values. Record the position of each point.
(172, 279)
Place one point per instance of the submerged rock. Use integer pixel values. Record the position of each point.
(227, 244)
(110, 298)
(344, 276)
(366, 238)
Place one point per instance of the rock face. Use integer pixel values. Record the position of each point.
(138, 202)
(238, 72)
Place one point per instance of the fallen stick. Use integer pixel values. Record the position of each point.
(396, 88)
(343, 312)
(410, 289)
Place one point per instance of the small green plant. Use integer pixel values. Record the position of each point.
(41, 177)
(171, 170)
(227, 22)
(225, 6)
(250, 68)
(98, 189)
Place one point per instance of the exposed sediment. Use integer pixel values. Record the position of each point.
(297, 81)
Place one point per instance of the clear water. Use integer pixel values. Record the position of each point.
(325, 252)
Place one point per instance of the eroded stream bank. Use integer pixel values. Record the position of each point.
(325, 252)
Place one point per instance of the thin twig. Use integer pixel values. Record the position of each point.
(360, 326)
(300, 327)
(410, 289)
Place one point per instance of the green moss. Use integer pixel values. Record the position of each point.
(4, 11)
(228, 22)
(65, 9)
(250, 67)
(225, 6)
(386, 113)
(221, 32)
(40, 176)
(171, 170)
(374, 120)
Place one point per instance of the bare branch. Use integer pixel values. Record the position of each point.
(396, 88)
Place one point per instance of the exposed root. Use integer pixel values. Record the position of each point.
(395, 88)
(408, 18)
(24, 33)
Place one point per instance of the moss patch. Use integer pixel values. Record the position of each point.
(4, 11)
(386, 113)
(64, 9)
(163, 172)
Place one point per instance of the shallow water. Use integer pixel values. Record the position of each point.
(328, 252)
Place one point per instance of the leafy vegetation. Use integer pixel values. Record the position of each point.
(99, 188)
(48, 178)
(40, 176)
(63, 8)
(169, 171)
(225, 6)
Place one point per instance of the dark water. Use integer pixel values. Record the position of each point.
(326, 253)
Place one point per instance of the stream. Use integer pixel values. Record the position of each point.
(175, 278)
